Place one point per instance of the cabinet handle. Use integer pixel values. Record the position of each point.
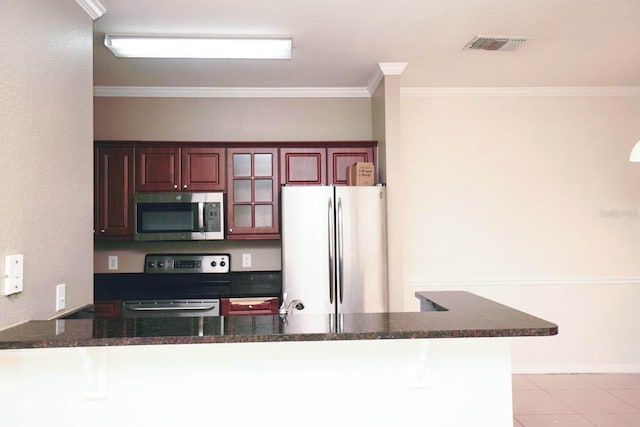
(231, 230)
(184, 186)
(175, 186)
(102, 231)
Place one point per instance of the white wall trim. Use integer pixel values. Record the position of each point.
(577, 369)
(385, 69)
(392, 68)
(563, 281)
(374, 81)
(94, 8)
(355, 92)
(230, 92)
(435, 92)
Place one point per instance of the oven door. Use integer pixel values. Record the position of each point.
(171, 308)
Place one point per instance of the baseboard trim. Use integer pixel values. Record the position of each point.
(631, 368)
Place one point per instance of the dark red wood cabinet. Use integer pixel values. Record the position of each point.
(322, 163)
(108, 309)
(157, 168)
(250, 306)
(114, 192)
(303, 166)
(249, 173)
(253, 193)
(173, 168)
(339, 158)
(203, 169)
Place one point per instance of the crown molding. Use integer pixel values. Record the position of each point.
(230, 92)
(385, 69)
(436, 92)
(355, 92)
(94, 8)
(392, 68)
(374, 81)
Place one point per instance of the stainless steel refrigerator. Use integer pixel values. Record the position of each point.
(334, 248)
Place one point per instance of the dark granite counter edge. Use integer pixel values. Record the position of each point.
(218, 339)
(465, 315)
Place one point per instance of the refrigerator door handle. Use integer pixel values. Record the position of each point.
(340, 252)
(331, 254)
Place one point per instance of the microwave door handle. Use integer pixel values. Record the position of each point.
(200, 216)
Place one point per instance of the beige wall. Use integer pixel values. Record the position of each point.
(232, 119)
(386, 127)
(222, 119)
(530, 200)
(46, 166)
(265, 254)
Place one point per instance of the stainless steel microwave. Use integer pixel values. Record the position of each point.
(179, 216)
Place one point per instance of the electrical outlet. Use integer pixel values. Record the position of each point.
(61, 296)
(113, 262)
(246, 260)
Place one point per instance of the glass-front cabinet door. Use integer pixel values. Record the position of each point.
(252, 195)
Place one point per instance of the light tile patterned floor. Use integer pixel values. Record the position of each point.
(576, 400)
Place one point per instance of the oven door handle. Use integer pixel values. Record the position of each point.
(170, 308)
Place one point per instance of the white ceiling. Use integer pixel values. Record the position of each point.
(338, 43)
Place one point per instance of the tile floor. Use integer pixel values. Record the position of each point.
(576, 400)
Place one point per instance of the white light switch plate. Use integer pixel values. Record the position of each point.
(113, 262)
(13, 274)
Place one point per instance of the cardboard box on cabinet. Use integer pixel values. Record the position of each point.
(361, 173)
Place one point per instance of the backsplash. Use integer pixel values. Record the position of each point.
(265, 254)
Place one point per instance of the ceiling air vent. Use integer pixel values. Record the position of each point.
(494, 43)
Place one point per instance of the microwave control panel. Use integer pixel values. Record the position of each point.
(187, 263)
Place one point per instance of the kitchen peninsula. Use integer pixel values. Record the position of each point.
(449, 365)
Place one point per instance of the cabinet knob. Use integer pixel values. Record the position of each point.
(175, 186)
(184, 186)
(102, 231)
(231, 230)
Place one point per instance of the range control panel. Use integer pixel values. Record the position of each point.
(187, 263)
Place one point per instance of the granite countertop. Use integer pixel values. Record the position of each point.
(451, 314)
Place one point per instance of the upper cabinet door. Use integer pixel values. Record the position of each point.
(157, 169)
(252, 196)
(303, 166)
(342, 157)
(114, 190)
(203, 169)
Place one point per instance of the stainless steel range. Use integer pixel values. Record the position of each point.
(182, 285)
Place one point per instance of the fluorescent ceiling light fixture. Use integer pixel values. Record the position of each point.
(198, 47)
